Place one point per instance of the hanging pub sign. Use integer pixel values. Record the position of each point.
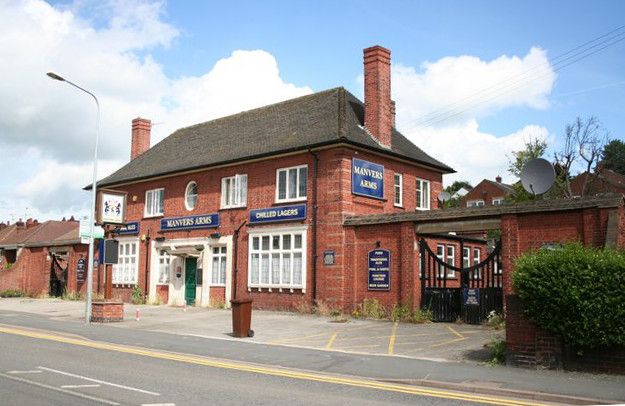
(367, 179)
(380, 269)
(131, 228)
(471, 296)
(190, 222)
(81, 269)
(274, 214)
(111, 207)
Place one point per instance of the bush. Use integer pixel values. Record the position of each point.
(575, 292)
(12, 293)
(71, 295)
(497, 352)
(370, 309)
(401, 313)
(137, 296)
(422, 316)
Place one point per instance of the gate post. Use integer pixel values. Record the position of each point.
(407, 272)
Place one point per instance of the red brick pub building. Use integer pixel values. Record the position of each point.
(253, 204)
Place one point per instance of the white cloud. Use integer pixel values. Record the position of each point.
(439, 108)
(51, 125)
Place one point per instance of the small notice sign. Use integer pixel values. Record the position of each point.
(380, 269)
(328, 257)
(81, 269)
(471, 297)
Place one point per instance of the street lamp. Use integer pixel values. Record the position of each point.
(93, 200)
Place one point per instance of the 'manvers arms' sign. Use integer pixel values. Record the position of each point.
(367, 179)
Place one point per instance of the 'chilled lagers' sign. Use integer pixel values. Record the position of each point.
(128, 228)
(190, 222)
(367, 179)
(282, 213)
(379, 269)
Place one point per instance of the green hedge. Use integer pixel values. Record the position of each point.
(576, 292)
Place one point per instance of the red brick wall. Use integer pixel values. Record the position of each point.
(335, 201)
(378, 111)
(30, 273)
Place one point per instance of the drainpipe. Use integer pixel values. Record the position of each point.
(235, 259)
(314, 226)
(147, 264)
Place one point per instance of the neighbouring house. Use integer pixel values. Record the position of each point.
(253, 204)
(42, 258)
(604, 181)
(487, 193)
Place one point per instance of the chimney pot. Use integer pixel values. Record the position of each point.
(498, 179)
(140, 141)
(378, 105)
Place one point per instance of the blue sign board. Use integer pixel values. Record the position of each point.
(379, 269)
(190, 222)
(367, 179)
(471, 297)
(128, 228)
(282, 213)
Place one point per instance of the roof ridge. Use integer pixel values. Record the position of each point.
(266, 107)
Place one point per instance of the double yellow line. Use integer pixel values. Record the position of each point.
(272, 371)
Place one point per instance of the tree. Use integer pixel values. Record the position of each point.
(584, 142)
(534, 148)
(613, 156)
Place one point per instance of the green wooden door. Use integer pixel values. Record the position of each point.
(190, 267)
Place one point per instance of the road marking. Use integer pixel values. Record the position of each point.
(455, 340)
(54, 388)
(94, 385)
(158, 404)
(331, 341)
(391, 341)
(36, 371)
(290, 339)
(147, 392)
(455, 332)
(270, 371)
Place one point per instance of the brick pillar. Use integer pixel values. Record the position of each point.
(408, 269)
(140, 142)
(378, 105)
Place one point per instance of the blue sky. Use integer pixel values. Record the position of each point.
(183, 62)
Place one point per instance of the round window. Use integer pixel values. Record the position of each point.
(190, 196)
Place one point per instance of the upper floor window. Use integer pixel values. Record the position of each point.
(154, 202)
(234, 191)
(291, 183)
(423, 194)
(497, 201)
(398, 189)
(190, 196)
(475, 203)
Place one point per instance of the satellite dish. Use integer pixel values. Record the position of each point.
(444, 197)
(537, 176)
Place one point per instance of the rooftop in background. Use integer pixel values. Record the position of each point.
(329, 117)
(34, 234)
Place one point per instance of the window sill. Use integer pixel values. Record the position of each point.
(301, 199)
(399, 206)
(218, 285)
(153, 216)
(290, 289)
(232, 207)
(422, 209)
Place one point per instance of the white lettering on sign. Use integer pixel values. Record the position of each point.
(368, 172)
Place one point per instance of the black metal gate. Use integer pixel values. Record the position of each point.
(58, 277)
(471, 298)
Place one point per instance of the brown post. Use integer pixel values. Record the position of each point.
(108, 290)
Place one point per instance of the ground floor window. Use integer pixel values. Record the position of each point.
(125, 272)
(164, 262)
(218, 266)
(277, 259)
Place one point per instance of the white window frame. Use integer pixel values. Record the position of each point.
(450, 259)
(477, 274)
(298, 197)
(475, 203)
(271, 233)
(440, 254)
(150, 204)
(123, 274)
(497, 201)
(399, 190)
(187, 195)
(422, 201)
(164, 267)
(222, 257)
(466, 257)
(237, 185)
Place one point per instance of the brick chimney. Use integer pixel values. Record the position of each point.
(140, 142)
(378, 105)
(498, 179)
(31, 223)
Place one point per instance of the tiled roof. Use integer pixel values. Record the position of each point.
(329, 117)
(547, 205)
(48, 233)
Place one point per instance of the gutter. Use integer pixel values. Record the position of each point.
(314, 226)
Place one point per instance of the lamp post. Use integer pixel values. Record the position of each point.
(93, 197)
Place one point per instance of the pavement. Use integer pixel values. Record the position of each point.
(441, 355)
